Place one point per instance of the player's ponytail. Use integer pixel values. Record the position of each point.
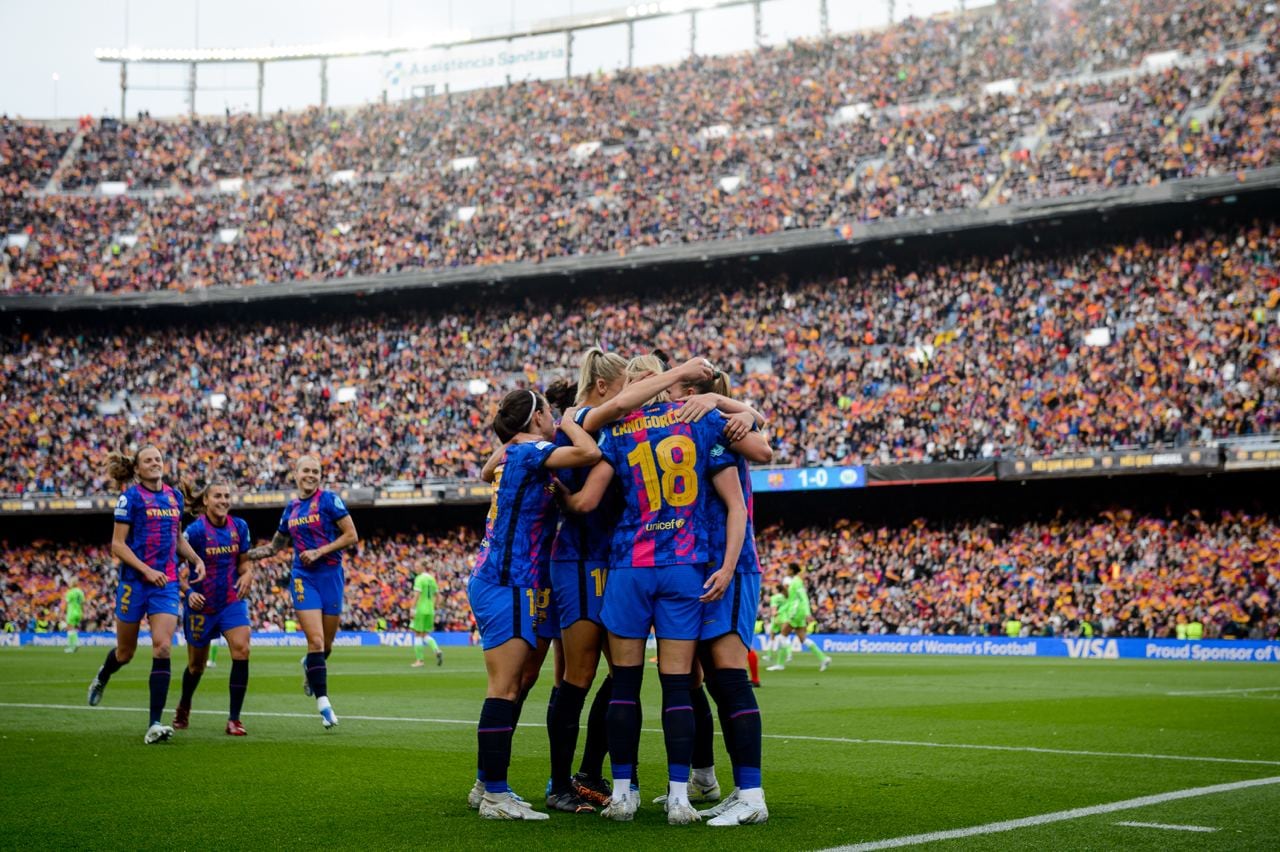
(562, 393)
(598, 365)
(718, 383)
(197, 500)
(122, 468)
(515, 413)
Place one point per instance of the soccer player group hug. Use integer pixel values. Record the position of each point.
(629, 514)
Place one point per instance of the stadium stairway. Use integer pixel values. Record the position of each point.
(1032, 143)
(68, 157)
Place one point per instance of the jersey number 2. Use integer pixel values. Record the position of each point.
(663, 487)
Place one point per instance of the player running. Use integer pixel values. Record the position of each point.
(317, 523)
(73, 602)
(426, 594)
(503, 589)
(661, 465)
(798, 612)
(216, 606)
(148, 543)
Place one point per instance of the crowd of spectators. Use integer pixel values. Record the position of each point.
(1127, 573)
(932, 360)
(723, 147)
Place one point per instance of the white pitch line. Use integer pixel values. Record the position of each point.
(1056, 816)
(1202, 828)
(801, 737)
(1227, 691)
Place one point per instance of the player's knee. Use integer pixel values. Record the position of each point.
(196, 667)
(161, 651)
(124, 655)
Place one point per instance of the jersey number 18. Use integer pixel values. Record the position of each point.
(678, 482)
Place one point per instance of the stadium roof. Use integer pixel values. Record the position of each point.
(377, 47)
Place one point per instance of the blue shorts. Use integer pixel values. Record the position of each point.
(320, 590)
(201, 628)
(503, 613)
(134, 599)
(546, 619)
(735, 612)
(578, 590)
(665, 598)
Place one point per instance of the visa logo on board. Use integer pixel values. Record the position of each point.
(1093, 649)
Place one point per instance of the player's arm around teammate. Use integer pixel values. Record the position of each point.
(217, 604)
(147, 542)
(503, 588)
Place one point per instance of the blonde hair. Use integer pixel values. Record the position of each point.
(642, 365)
(598, 364)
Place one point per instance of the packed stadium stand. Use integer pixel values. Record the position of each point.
(1165, 337)
(1127, 573)
(1023, 102)
(973, 357)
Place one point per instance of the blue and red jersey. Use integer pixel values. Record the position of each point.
(662, 465)
(220, 548)
(717, 513)
(522, 518)
(313, 523)
(586, 537)
(155, 522)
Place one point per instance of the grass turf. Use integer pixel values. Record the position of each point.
(81, 778)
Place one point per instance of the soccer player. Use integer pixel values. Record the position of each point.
(657, 556)
(426, 593)
(503, 589)
(579, 568)
(216, 606)
(316, 522)
(798, 613)
(728, 625)
(148, 542)
(73, 600)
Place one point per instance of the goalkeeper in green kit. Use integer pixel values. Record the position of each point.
(74, 600)
(426, 590)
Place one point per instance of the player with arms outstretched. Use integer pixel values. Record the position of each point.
(216, 606)
(148, 542)
(316, 522)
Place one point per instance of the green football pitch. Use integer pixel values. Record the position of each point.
(1089, 754)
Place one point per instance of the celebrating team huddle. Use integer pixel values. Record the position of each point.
(656, 537)
(629, 514)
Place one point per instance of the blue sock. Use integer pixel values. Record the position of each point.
(239, 684)
(624, 719)
(497, 722)
(159, 687)
(678, 724)
(317, 674)
(744, 721)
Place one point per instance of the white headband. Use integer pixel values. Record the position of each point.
(533, 406)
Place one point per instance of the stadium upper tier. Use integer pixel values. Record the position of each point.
(1146, 342)
(1130, 573)
(1032, 100)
